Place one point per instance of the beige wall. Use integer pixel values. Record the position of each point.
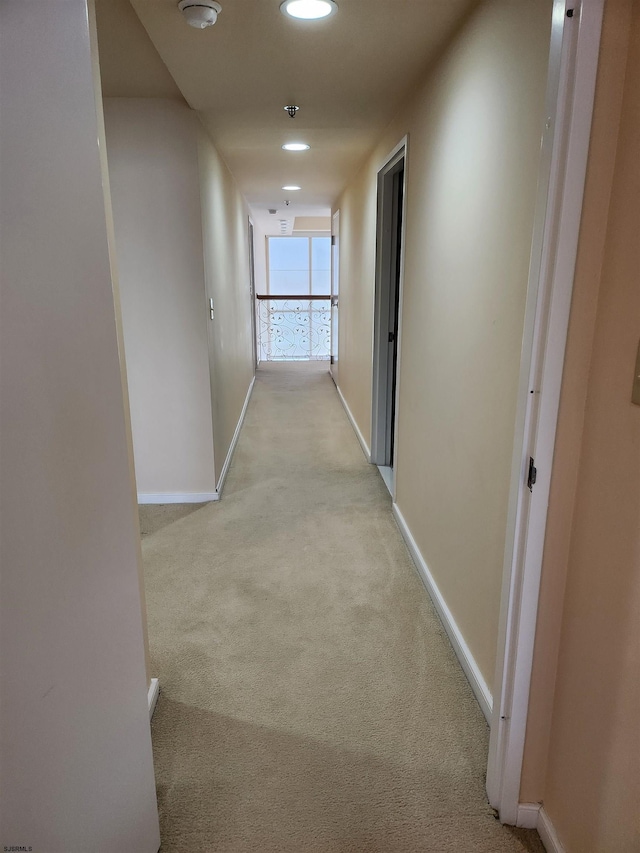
(226, 260)
(582, 757)
(474, 138)
(74, 716)
(111, 240)
(357, 271)
(260, 242)
(155, 186)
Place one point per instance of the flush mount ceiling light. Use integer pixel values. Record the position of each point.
(291, 188)
(296, 146)
(200, 13)
(308, 10)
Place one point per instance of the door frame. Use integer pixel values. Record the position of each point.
(573, 64)
(252, 292)
(334, 369)
(385, 250)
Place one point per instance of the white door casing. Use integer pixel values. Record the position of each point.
(252, 295)
(380, 424)
(335, 296)
(575, 40)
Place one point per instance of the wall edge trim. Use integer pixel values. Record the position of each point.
(463, 652)
(352, 420)
(528, 815)
(234, 440)
(574, 59)
(152, 695)
(177, 497)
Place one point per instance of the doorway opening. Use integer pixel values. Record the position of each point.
(388, 300)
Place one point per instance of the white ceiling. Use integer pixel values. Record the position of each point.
(349, 74)
(270, 224)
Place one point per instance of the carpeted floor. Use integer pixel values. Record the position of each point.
(310, 701)
(154, 517)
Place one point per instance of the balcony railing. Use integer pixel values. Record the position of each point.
(294, 328)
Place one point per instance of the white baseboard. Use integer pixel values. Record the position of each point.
(355, 426)
(533, 816)
(528, 815)
(547, 833)
(152, 695)
(200, 497)
(234, 440)
(177, 497)
(463, 653)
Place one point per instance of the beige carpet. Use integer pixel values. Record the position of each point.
(310, 701)
(155, 517)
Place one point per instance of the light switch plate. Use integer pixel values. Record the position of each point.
(635, 394)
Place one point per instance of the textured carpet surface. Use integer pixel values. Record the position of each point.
(310, 700)
(154, 517)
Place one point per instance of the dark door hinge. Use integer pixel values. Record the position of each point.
(333, 240)
(392, 337)
(533, 474)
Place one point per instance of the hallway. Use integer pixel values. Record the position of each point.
(310, 700)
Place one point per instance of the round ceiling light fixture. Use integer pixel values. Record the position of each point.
(200, 13)
(309, 10)
(291, 188)
(296, 146)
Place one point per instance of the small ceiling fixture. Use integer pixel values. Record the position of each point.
(296, 146)
(291, 188)
(200, 13)
(292, 109)
(308, 10)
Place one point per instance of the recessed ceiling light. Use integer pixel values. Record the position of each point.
(308, 10)
(291, 188)
(296, 146)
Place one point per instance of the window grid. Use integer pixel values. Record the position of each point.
(310, 323)
(311, 271)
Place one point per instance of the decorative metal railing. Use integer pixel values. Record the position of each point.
(294, 328)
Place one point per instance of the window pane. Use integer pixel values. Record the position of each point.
(321, 253)
(288, 253)
(321, 282)
(282, 282)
